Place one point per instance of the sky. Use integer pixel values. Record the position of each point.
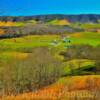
(38, 7)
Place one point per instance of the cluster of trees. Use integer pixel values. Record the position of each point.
(37, 29)
(83, 52)
(38, 70)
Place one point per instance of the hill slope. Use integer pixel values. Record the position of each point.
(68, 88)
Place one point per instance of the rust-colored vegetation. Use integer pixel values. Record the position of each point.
(66, 88)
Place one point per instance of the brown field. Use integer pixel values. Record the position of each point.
(80, 87)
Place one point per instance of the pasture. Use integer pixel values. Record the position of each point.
(31, 41)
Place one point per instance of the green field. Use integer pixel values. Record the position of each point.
(85, 25)
(27, 43)
(16, 44)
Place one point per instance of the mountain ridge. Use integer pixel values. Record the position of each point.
(82, 18)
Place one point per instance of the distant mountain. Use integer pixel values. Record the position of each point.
(83, 18)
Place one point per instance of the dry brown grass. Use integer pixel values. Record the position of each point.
(81, 88)
(77, 35)
(9, 23)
